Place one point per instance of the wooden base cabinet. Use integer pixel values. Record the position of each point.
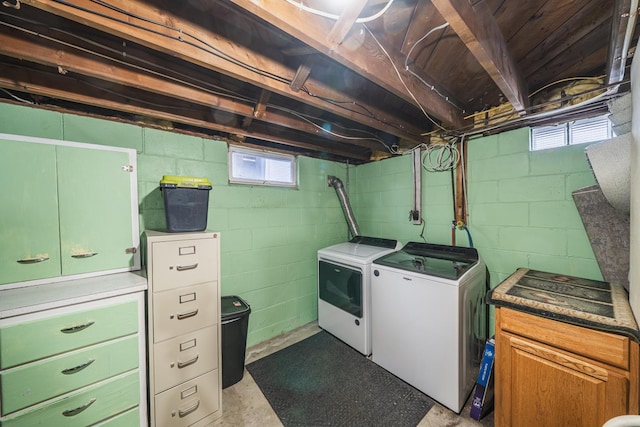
(550, 373)
(183, 306)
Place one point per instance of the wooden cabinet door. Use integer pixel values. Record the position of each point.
(28, 212)
(541, 386)
(95, 210)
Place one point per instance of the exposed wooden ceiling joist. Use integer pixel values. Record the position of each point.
(360, 52)
(185, 40)
(340, 82)
(51, 84)
(479, 31)
(63, 57)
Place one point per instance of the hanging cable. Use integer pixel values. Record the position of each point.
(403, 83)
(429, 85)
(440, 157)
(17, 98)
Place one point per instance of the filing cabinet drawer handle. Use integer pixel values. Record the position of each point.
(182, 316)
(184, 412)
(76, 411)
(33, 260)
(70, 371)
(187, 267)
(188, 362)
(85, 255)
(77, 328)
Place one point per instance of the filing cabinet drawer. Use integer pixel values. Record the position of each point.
(181, 310)
(36, 382)
(187, 356)
(86, 407)
(184, 263)
(189, 402)
(29, 341)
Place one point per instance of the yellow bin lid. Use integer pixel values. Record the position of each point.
(185, 182)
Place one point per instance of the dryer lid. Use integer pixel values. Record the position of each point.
(448, 262)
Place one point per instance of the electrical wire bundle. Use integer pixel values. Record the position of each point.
(440, 157)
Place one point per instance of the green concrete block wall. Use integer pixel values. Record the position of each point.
(521, 212)
(270, 236)
(537, 224)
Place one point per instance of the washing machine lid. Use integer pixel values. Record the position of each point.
(448, 262)
(360, 249)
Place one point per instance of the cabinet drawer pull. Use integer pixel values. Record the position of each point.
(184, 412)
(77, 328)
(76, 411)
(70, 371)
(84, 255)
(187, 315)
(188, 362)
(187, 267)
(33, 260)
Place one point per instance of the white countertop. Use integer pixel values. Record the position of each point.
(31, 299)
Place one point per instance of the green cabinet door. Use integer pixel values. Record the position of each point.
(29, 238)
(94, 191)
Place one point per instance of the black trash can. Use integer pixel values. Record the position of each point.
(235, 322)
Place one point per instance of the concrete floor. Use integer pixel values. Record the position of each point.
(243, 404)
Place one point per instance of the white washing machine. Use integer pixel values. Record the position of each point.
(344, 283)
(429, 324)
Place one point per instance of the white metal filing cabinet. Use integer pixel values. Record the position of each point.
(183, 319)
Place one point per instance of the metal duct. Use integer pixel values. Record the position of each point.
(335, 182)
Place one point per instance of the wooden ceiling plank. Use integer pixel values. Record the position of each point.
(623, 23)
(46, 84)
(30, 48)
(344, 24)
(171, 39)
(425, 16)
(479, 31)
(360, 52)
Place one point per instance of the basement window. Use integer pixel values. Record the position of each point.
(572, 133)
(258, 167)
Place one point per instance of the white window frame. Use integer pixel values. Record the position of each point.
(266, 158)
(563, 134)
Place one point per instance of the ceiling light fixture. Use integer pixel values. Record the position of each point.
(336, 17)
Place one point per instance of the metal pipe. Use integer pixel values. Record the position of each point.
(335, 182)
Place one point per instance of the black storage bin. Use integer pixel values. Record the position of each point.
(235, 322)
(186, 200)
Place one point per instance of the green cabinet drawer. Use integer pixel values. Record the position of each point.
(29, 341)
(36, 382)
(85, 407)
(131, 418)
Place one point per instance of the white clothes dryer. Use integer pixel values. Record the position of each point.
(344, 282)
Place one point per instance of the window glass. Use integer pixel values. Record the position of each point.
(248, 166)
(571, 133)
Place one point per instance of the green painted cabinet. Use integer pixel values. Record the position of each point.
(29, 220)
(75, 365)
(68, 209)
(94, 197)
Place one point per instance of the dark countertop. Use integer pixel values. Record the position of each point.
(583, 302)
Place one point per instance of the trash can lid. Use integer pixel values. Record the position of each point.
(234, 306)
(185, 182)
